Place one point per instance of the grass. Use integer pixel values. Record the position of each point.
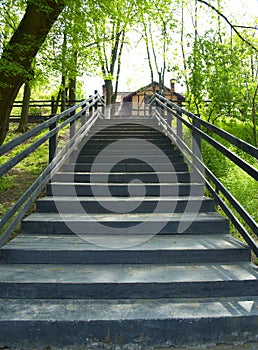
(243, 187)
(19, 179)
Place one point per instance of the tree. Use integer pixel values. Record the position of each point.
(233, 27)
(158, 24)
(110, 25)
(221, 69)
(224, 73)
(10, 12)
(23, 123)
(18, 54)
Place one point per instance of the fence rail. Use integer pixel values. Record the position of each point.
(86, 112)
(41, 110)
(199, 129)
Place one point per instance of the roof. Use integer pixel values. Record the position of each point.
(128, 96)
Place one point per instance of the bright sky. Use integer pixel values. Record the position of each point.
(135, 70)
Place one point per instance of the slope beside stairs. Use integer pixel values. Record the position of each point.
(126, 248)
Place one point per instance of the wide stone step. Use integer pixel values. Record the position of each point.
(92, 145)
(156, 141)
(125, 190)
(126, 167)
(127, 122)
(135, 152)
(128, 158)
(127, 281)
(127, 127)
(126, 224)
(127, 138)
(124, 204)
(72, 249)
(127, 134)
(154, 177)
(138, 256)
(161, 322)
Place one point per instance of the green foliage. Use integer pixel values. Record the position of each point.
(242, 186)
(221, 68)
(18, 180)
(10, 13)
(241, 129)
(6, 182)
(215, 160)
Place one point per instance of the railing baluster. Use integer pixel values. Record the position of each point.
(83, 117)
(179, 126)
(96, 102)
(196, 146)
(72, 126)
(91, 107)
(17, 211)
(194, 157)
(53, 142)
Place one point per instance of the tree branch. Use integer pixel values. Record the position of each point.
(229, 23)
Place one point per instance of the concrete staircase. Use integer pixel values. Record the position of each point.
(125, 248)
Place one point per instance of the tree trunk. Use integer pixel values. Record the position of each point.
(16, 60)
(109, 91)
(63, 94)
(119, 66)
(56, 105)
(72, 92)
(254, 116)
(23, 124)
(72, 80)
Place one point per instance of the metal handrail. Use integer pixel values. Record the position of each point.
(244, 146)
(17, 211)
(195, 161)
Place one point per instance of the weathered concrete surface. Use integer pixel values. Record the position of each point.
(190, 285)
(109, 346)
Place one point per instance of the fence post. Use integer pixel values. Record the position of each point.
(52, 143)
(91, 107)
(169, 118)
(103, 105)
(150, 110)
(83, 117)
(96, 103)
(72, 126)
(52, 106)
(179, 126)
(196, 140)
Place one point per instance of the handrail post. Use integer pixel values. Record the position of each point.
(169, 118)
(96, 103)
(196, 140)
(150, 110)
(72, 126)
(179, 126)
(162, 111)
(52, 148)
(52, 105)
(91, 107)
(103, 106)
(83, 117)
